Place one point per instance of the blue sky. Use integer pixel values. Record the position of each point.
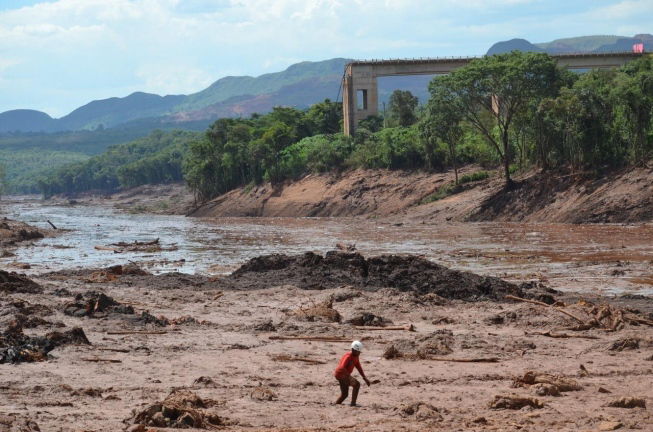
(57, 55)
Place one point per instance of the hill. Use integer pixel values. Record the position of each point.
(582, 44)
(26, 120)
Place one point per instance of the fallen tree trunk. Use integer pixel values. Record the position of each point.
(311, 338)
(408, 327)
(569, 314)
(559, 335)
(467, 360)
(101, 360)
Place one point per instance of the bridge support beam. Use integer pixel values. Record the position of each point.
(360, 97)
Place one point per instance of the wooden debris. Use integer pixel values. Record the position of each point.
(128, 332)
(288, 358)
(312, 338)
(52, 225)
(559, 309)
(465, 360)
(628, 402)
(120, 350)
(101, 360)
(407, 327)
(559, 335)
(562, 383)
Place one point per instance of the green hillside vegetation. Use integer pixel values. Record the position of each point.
(154, 159)
(582, 43)
(548, 118)
(229, 87)
(23, 168)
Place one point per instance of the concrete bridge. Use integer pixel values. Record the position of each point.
(361, 98)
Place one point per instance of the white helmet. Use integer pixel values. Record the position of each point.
(357, 346)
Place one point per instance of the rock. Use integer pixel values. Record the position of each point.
(628, 402)
(514, 402)
(603, 390)
(420, 410)
(610, 425)
(391, 353)
(262, 393)
(624, 344)
(546, 390)
(11, 282)
(368, 319)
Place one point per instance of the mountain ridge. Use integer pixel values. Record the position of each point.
(299, 85)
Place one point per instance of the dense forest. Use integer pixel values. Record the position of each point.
(515, 110)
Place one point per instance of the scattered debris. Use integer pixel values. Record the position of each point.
(624, 344)
(610, 425)
(560, 335)
(263, 393)
(312, 338)
(563, 384)
(323, 311)
(181, 409)
(204, 381)
(95, 303)
(11, 282)
(437, 343)
(288, 358)
(17, 423)
(628, 402)
(407, 327)
(136, 246)
(420, 410)
(16, 347)
(100, 360)
(368, 319)
(514, 402)
(266, 326)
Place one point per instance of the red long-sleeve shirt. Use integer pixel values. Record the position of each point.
(346, 366)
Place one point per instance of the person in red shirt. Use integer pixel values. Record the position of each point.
(343, 372)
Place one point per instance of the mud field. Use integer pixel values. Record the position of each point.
(120, 349)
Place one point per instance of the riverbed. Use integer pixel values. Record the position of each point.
(598, 258)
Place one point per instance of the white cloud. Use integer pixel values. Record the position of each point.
(97, 48)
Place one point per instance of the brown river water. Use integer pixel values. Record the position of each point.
(608, 259)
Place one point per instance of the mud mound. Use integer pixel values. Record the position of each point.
(93, 304)
(438, 343)
(16, 347)
(182, 409)
(17, 283)
(402, 272)
(17, 423)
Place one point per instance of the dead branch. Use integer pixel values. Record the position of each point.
(311, 338)
(120, 350)
(569, 314)
(560, 335)
(287, 358)
(408, 327)
(128, 332)
(463, 360)
(101, 360)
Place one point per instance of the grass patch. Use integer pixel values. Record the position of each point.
(441, 193)
(478, 175)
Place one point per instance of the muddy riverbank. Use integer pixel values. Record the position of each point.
(248, 350)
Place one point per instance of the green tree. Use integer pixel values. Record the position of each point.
(325, 117)
(501, 85)
(442, 121)
(401, 107)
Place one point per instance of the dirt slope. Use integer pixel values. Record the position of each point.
(625, 196)
(355, 193)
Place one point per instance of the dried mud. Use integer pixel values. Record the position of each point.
(235, 354)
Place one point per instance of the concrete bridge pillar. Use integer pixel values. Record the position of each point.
(360, 98)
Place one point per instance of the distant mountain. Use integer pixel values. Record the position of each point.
(300, 86)
(113, 111)
(513, 45)
(583, 44)
(229, 87)
(26, 120)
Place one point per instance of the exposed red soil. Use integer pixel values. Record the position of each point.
(624, 196)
